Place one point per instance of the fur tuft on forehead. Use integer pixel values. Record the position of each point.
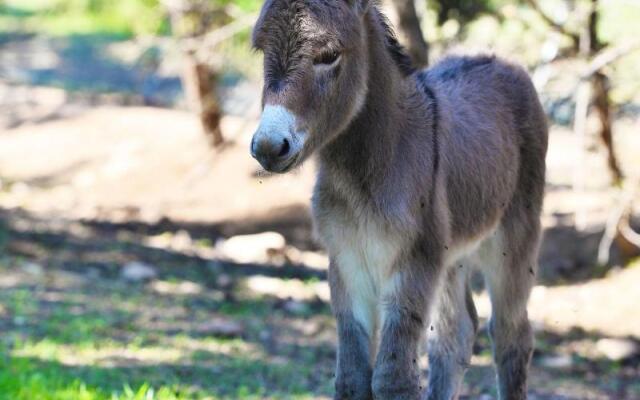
(283, 21)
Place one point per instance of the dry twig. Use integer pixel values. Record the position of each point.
(618, 223)
(608, 56)
(575, 38)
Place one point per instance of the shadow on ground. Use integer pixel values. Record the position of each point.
(69, 318)
(567, 255)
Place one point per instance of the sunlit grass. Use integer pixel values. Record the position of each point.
(24, 378)
(47, 370)
(71, 337)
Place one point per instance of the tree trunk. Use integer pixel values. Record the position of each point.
(601, 102)
(200, 84)
(602, 107)
(199, 79)
(409, 28)
(627, 241)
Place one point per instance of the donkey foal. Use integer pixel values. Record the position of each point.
(420, 174)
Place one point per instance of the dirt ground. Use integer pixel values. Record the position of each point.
(87, 189)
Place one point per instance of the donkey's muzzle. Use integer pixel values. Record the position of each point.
(270, 152)
(275, 144)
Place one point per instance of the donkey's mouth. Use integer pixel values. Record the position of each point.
(288, 165)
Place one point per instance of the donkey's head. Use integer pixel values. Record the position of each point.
(315, 76)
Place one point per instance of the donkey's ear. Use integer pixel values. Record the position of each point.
(258, 28)
(360, 6)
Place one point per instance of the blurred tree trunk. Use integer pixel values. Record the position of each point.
(593, 89)
(600, 88)
(627, 241)
(191, 19)
(602, 106)
(409, 28)
(200, 80)
(589, 48)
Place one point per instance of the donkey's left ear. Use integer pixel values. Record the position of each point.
(360, 6)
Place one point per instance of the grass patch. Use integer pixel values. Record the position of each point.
(23, 378)
(209, 375)
(73, 336)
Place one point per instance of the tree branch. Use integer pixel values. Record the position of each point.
(628, 233)
(608, 56)
(206, 42)
(575, 38)
(618, 223)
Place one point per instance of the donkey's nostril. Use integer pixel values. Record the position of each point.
(284, 150)
(252, 147)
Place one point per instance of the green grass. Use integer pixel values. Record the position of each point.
(42, 375)
(23, 378)
(73, 335)
(68, 337)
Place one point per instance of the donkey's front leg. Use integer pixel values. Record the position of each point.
(353, 371)
(405, 315)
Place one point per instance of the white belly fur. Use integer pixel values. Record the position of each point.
(364, 253)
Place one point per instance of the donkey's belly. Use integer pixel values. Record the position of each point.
(364, 252)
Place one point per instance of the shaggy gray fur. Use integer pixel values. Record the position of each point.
(420, 175)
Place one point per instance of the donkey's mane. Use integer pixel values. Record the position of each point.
(395, 49)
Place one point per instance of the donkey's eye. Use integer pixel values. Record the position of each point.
(326, 58)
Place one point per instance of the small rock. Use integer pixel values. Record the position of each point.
(617, 349)
(258, 248)
(183, 288)
(309, 259)
(33, 268)
(93, 273)
(138, 272)
(181, 241)
(224, 281)
(220, 327)
(265, 335)
(562, 361)
(295, 307)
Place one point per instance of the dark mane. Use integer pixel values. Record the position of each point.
(397, 51)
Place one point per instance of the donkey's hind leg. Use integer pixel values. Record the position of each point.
(509, 279)
(451, 336)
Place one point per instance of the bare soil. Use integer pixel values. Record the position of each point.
(85, 189)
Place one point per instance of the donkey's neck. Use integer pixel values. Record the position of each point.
(366, 150)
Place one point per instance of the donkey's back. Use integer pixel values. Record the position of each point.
(493, 141)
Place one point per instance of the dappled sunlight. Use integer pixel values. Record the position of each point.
(103, 356)
(77, 309)
(602, 305)
(288, 289)
(140, 262)
(175, 350)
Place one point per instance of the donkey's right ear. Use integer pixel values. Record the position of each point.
(258, 28)
(360, 6)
